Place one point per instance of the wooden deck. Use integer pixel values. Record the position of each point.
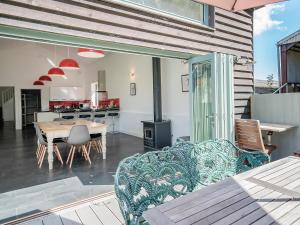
(100, 210)
(266, 195)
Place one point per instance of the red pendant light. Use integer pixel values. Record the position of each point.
(38, 83)
(69, 64)
(45, 78)
(55, 71)
(90, 53)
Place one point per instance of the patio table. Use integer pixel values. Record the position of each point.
(273, 127)
(269, 194)
(61, 129)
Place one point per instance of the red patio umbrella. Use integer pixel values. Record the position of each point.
(238, 5)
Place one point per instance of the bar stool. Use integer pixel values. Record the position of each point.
(58, 119)
(84, 116)
(99, 118)
(78, 139)
(68, 117)
(113, 115)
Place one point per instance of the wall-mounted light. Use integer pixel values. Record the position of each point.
(243, 60)
(132, 75)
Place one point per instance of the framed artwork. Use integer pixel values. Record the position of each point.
(185, 83)
(132, 89)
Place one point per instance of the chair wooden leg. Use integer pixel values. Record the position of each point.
(83, 152)
(89, 147)
(38, 152)
(42, 156)
(69, 155)
(58, 155)
(100, 145)
(96, 146)
(86, 153)
(72, 157)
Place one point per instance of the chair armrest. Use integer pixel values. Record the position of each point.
(251, 159)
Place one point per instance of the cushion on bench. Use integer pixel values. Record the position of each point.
(150, 179)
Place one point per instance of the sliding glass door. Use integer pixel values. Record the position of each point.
(211, 97)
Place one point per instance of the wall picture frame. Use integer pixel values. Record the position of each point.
(185, 83)
(132, 89)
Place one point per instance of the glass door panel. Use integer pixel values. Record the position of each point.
(211, 97)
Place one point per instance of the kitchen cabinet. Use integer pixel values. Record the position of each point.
(45, 116)
(66, 93)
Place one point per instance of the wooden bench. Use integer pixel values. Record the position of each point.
(150, 179)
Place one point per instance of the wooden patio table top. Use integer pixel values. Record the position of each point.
(275, 127)
(269, 194)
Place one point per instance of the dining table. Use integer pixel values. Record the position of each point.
(61, 129)
(270, 128)
(269, 194)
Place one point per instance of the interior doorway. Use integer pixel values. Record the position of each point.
(7, 105)
(31, 103)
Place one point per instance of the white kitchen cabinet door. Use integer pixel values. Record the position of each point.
(66, 93)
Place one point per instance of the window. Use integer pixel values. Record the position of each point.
(187, 9)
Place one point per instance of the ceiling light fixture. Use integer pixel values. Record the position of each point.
(38, 83)
(68, 63)
(56, 71)
(45, 78)
(90, 53)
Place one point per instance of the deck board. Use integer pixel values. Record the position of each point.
(88, 216)
(271, 195)
(113, 205)
(70, 218)
(99, 211)
(105, 215)
(52, 220)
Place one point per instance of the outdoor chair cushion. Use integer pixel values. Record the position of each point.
(147, 180)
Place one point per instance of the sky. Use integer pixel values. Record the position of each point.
(271, 24)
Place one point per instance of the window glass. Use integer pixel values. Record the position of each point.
(182, 8)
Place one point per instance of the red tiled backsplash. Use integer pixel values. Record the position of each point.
(109, 103)
(73, 104)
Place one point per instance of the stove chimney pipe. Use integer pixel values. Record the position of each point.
(157, 89)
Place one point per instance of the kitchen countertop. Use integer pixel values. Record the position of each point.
(78, 110)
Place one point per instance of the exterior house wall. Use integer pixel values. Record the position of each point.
(114, 23)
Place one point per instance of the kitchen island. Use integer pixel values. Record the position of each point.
(97, 115)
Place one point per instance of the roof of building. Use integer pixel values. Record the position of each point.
(264, 84)
(292, 38)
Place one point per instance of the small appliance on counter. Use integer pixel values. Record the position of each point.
(84, 106)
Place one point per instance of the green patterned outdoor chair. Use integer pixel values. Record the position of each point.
(146, 180)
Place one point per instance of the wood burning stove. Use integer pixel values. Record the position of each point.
(157, 133)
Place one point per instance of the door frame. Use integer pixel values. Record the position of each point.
(32, 35)
(218, 63)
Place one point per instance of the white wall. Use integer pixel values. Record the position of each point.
(8, 106)
(134, 109)
(23, 62)
(8, 110)
(282, 109)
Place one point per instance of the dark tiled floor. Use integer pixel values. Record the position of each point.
(25, 188)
